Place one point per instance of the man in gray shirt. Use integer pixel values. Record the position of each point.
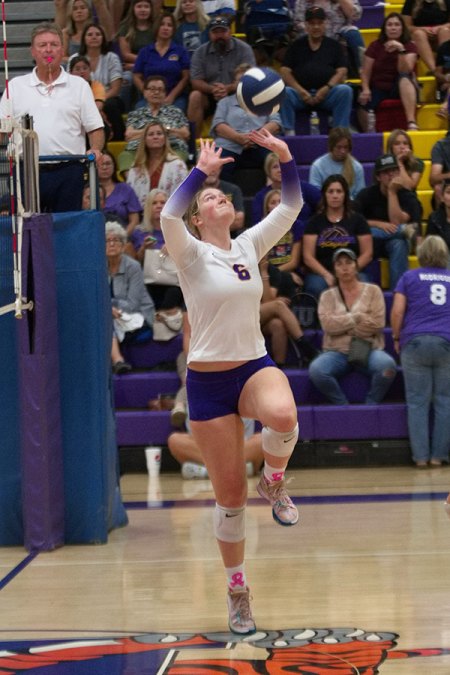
(212, 71)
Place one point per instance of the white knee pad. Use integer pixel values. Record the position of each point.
(229, 524)
(279, 443)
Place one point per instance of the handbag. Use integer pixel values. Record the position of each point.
(167, 326)
(359, 352)
(159, 268)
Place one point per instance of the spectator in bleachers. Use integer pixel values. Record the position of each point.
(173, 119)
(192, 24)
(64, 112)
(280, 323)
(217, 9)
(167, 58)
(120, 198)
(311, 194)
(155, 165)
(284, 258)
(411, 168)
(352, 315)
(231, 126)
(428, 24)
(269, 28)
(86, 200)
(338, 159)
(341, 16)
(388, 71)
(214, 180)
(314, 70)
(442, 75)
(148, 237)
(336, 226)
(99, 12)
(131, 304)
(135, 32)
(107, 69)
(213, 68)
(389, 209)
(79, 15)
(440, 166)
(80, 66)
(439, 220)
(420, 320)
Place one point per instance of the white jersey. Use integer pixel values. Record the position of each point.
(222, 289)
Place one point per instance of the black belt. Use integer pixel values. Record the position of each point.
(53, 166)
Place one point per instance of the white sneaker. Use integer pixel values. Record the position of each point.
(240, 613)
(283, 509)
(191, 470)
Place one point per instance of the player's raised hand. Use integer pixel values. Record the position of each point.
(267, 140)
(210, 159)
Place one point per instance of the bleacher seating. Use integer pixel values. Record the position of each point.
(319, 422)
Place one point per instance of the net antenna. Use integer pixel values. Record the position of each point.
(14, 132)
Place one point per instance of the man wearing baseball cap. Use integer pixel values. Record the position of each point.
(390, 211)
(314, 70)
(213, 65)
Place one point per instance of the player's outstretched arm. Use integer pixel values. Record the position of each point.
(267, 140)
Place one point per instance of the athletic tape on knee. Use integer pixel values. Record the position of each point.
(279, 443)
(229, 524)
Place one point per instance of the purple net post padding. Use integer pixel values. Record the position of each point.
(39, 386)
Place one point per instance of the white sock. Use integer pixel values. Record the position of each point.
(237, 580)
(272, 473)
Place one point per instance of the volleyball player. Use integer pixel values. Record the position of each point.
(229, 371)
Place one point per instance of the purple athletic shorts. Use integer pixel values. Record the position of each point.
(215, 394)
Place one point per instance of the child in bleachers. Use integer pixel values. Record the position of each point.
(135, 32)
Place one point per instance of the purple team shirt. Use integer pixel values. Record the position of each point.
(427, 292)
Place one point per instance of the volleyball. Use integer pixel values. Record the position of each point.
(260, 91)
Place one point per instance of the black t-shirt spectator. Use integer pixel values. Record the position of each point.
(438, 224)
(331, 236)
(374, 205)
(430, 13)
(314, 68)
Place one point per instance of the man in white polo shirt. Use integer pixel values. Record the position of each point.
(64, 111)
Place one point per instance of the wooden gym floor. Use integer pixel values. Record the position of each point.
(360, 585)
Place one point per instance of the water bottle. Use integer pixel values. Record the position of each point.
(314, 121)
(371, 121)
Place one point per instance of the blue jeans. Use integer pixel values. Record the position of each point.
(337, 102)
(396, 249)
(426, 370)
(330, 366)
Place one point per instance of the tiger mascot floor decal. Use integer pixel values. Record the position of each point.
(341, 651)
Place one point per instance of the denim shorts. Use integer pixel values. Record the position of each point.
(216, 394)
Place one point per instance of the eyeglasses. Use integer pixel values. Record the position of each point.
(156, 90)
(114, 240)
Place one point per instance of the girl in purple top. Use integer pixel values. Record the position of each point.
(420, 321)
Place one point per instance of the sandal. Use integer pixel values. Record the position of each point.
(412, 126)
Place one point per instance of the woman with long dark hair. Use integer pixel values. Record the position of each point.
(335, 226)
(388, 70)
